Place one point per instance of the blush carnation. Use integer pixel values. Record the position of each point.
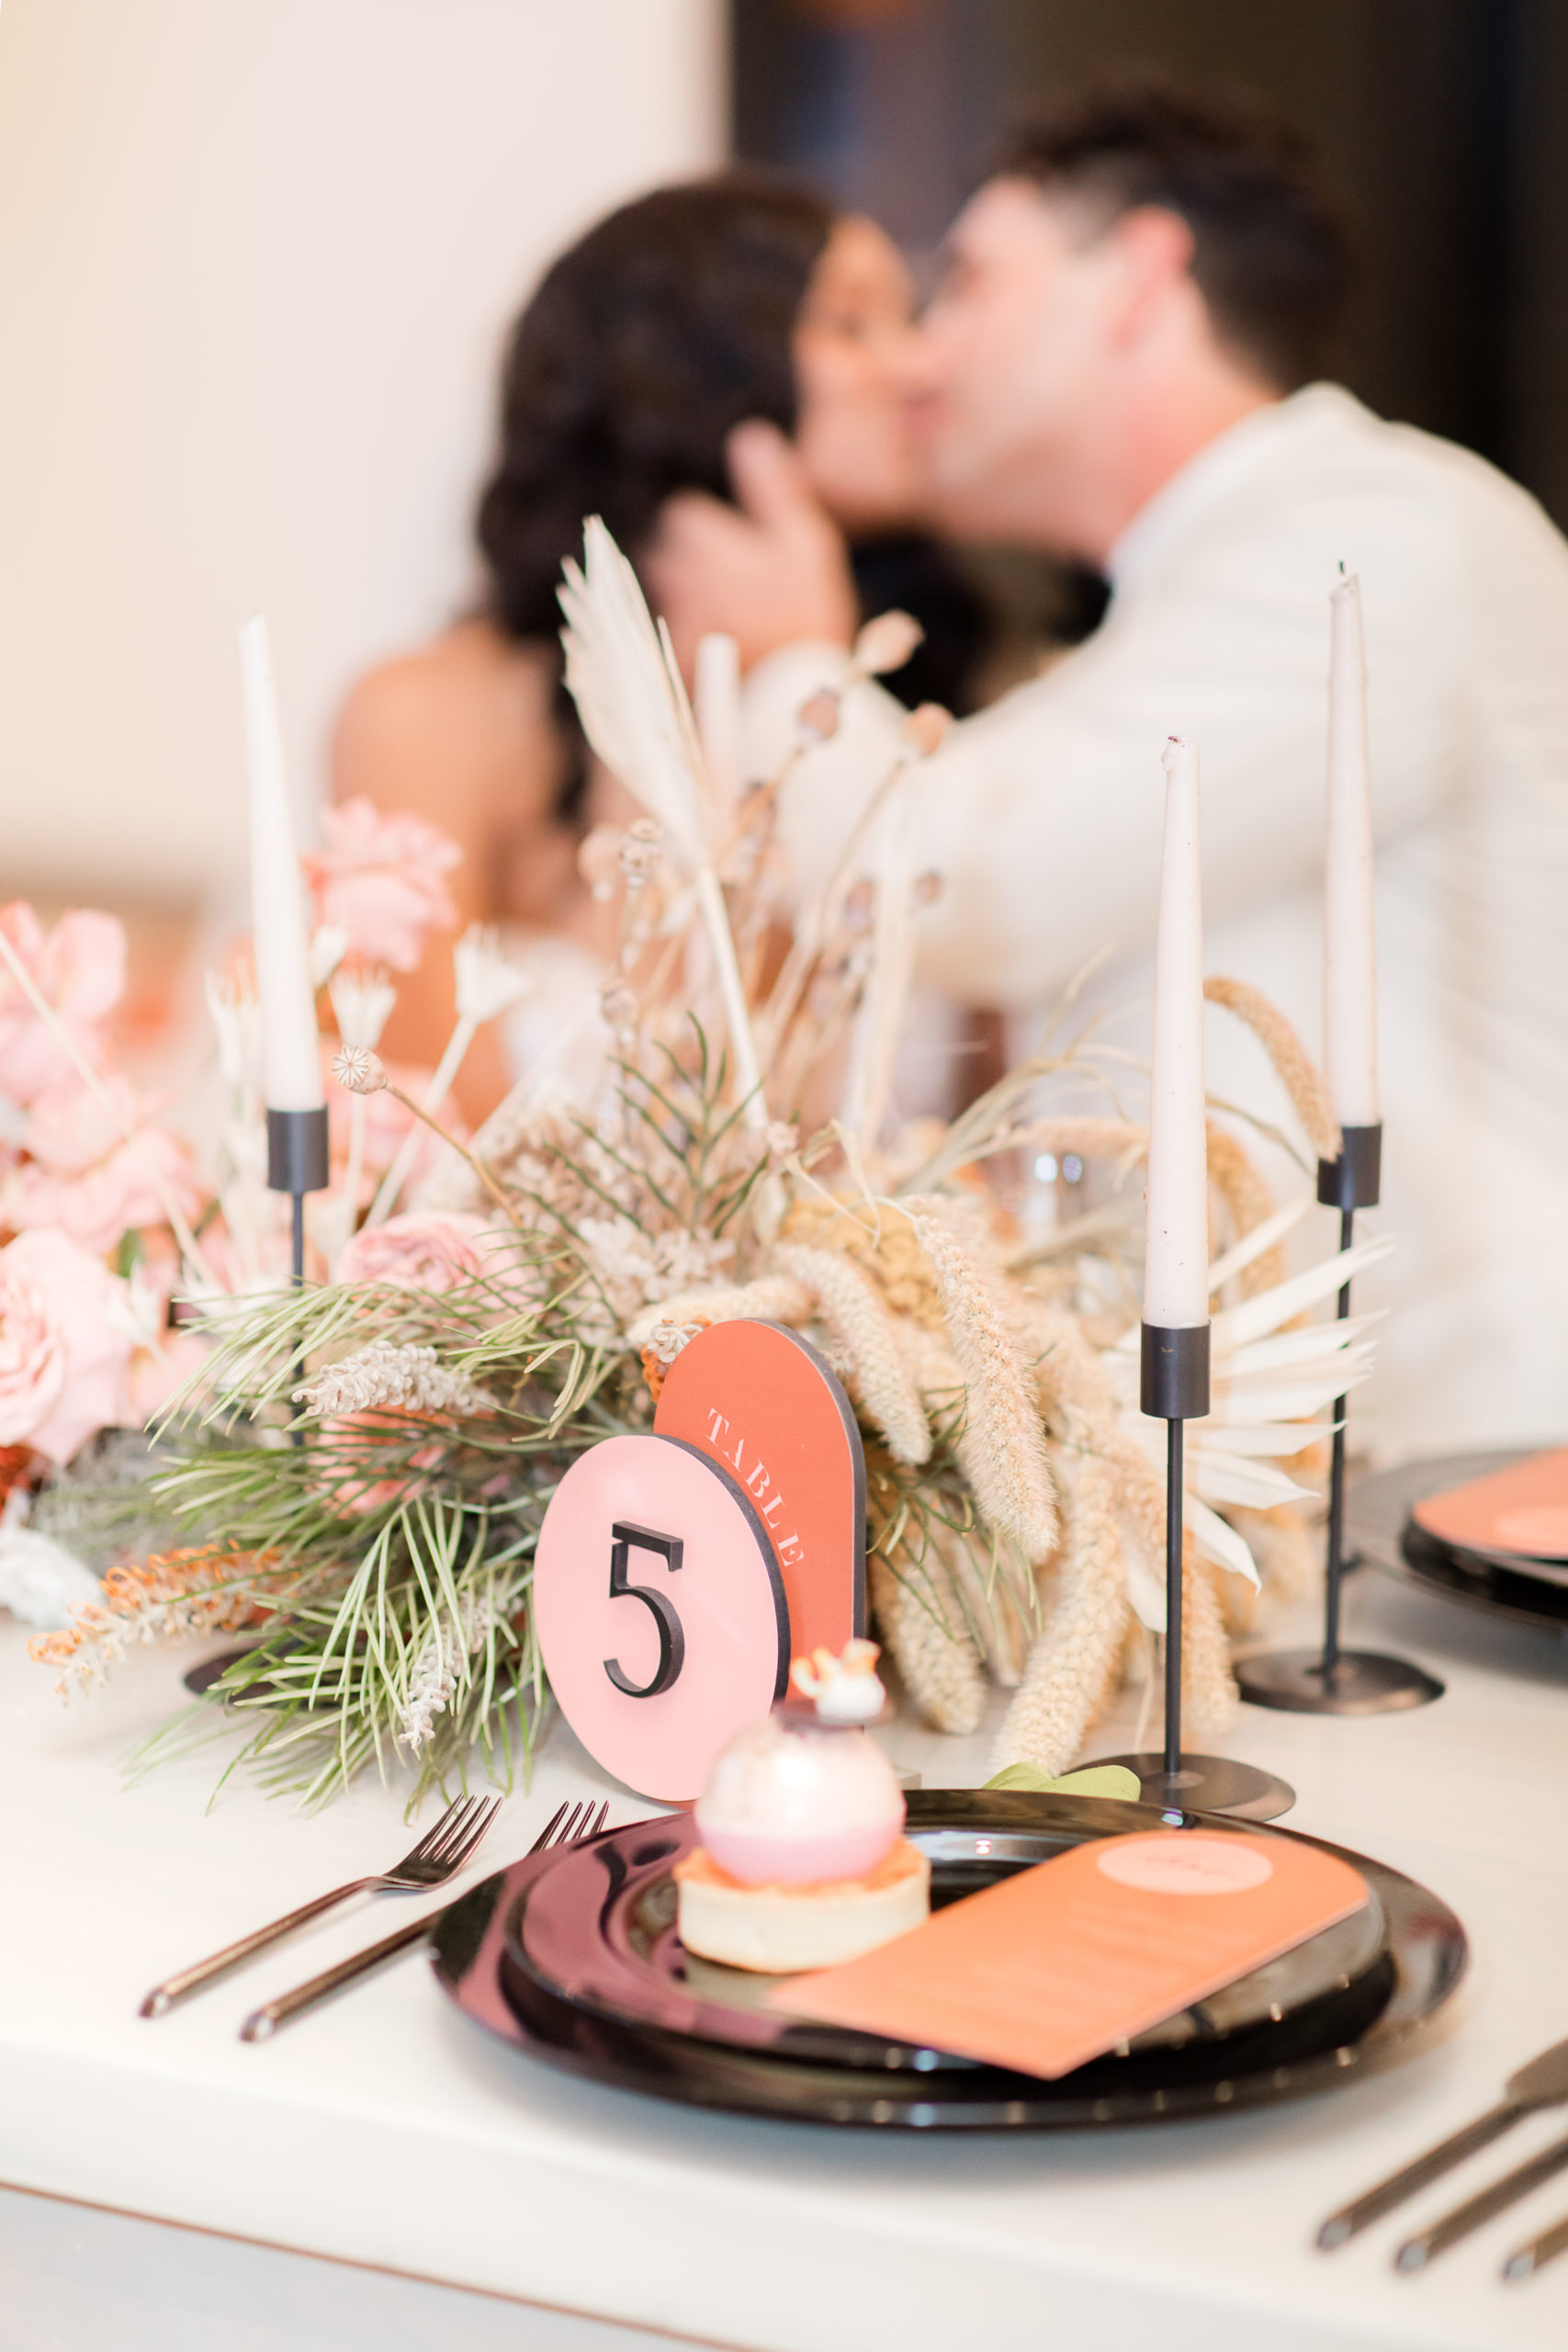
(379, 880)
(66, 1334)
(86, 1176)
(426, 1249)
(79, 969)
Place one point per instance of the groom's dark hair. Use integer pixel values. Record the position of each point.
(1273, 253)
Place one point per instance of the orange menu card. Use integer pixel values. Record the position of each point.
(1059, 1963)
(1523, 1509)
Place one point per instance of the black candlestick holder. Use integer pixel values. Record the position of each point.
(1334, 1680)
(1174, 1388)
(297, 1161)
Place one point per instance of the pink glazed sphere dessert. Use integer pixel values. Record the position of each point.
(794, 1799)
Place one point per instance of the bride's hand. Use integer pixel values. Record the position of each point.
(771, 574)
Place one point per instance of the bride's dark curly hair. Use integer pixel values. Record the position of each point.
(664, 327)
(660, 330)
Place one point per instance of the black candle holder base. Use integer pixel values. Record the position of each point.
(1360, 1683)
(1208, 1784)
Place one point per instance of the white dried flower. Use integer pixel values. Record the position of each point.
(358, 1069)
(665, 1340)
(783, 1141)
(383, 1376)
(329, 945)
(641, 847)
(361, 1005)
(236, 1017)
(886, 643)
(488, 982)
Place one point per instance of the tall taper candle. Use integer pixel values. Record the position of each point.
(1349, 944)
(1176, 1269)
(290, 1052)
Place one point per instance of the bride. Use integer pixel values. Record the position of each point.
(666, 351)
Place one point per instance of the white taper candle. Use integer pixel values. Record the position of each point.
(717, 703)
(1176, 1268)
(290, 1052)
(1350, 942)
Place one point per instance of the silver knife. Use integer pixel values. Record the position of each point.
(1544, 2083)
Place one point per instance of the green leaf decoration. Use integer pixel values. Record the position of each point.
(1092, 1780)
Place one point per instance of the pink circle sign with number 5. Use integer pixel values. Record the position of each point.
(660, 1614)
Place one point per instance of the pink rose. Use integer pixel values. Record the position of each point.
(80, 1175)
(379, 878)
(65, 1341)
(426, 1249)
(79, 968)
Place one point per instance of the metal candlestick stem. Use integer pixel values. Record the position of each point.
(1174, 1389)
(297, 1162)
(1334, 1680)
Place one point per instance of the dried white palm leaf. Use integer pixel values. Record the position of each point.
(1269, 1388)
(633, 702)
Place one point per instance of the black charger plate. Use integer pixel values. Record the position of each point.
(1381, 1529)
(1358, 2020)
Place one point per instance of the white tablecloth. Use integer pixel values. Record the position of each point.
(388, 2131)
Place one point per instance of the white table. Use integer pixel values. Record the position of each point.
(388, 2133)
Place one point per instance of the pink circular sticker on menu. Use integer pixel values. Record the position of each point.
(660, 1612)
(1187, 1862)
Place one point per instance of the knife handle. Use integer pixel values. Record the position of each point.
(1351, 2219)
(263, 2022)
(1417, 2252)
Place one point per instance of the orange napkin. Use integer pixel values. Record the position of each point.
(1054, 1966)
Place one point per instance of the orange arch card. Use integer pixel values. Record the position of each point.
(759, 1401)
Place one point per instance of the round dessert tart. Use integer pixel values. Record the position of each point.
(803, 1863)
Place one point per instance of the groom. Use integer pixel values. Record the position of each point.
(1126, 364)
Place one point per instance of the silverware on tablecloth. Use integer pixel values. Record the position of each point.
(1526, 2260)
(1544, 2083)
(1448, 2229)
(579, 1824)
(439, 1856)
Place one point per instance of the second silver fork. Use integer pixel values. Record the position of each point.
(565, 1827)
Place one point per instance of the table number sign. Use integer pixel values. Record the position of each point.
(760, 1401)
(678, 1574)
(661, 1618)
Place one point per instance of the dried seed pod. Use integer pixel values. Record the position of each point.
(886, 643)
(926, 729)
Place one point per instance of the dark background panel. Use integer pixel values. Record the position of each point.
(1444, 122)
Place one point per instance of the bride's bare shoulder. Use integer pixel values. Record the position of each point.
(465, 716)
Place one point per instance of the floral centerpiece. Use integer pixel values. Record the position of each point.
(357, 1469)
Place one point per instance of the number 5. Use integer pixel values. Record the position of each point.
(672, 1638)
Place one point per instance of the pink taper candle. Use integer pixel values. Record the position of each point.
(292, 1057)
(1176, 1266)
(1349, 944)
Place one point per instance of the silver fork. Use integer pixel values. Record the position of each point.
(439, 1855)
(564, 1827)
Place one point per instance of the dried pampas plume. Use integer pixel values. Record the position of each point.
(1003, 1445)
(1293, 1065)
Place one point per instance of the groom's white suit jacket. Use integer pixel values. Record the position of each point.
(1045, 815)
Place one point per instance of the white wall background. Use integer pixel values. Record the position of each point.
(256, 261)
